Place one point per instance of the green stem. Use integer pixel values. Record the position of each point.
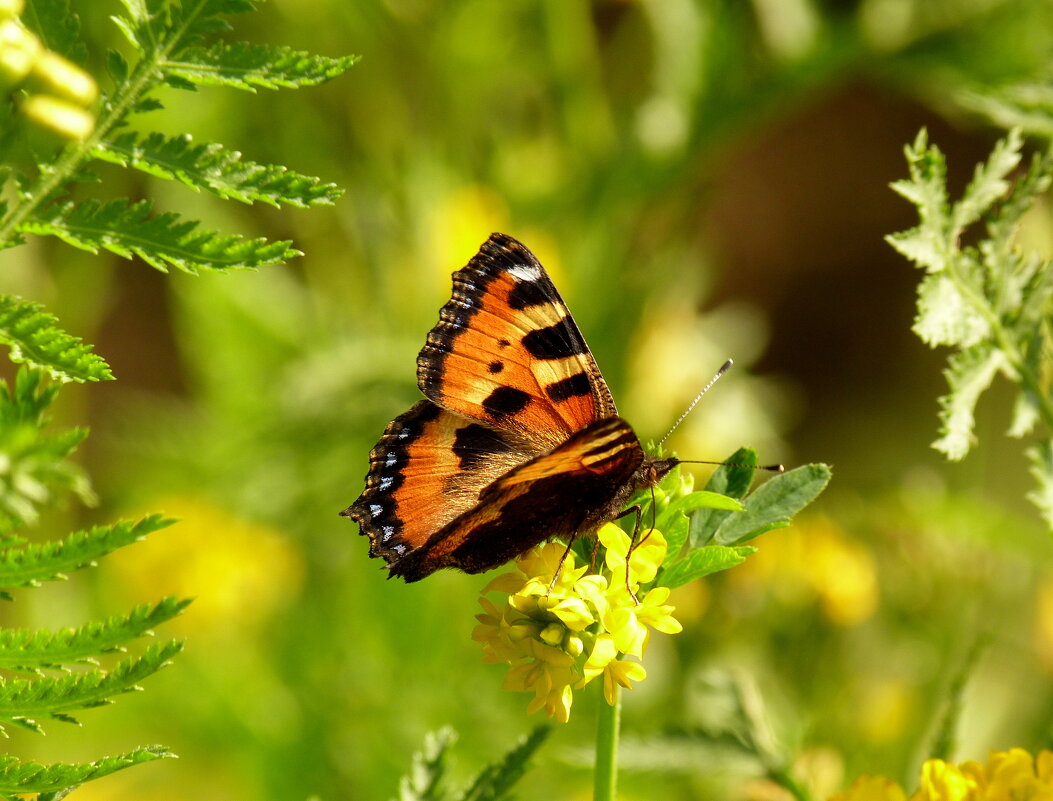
(148, 72)
(605, 781)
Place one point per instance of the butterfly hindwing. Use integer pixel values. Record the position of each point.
(428, 467)
(578, 485)
(507, 352)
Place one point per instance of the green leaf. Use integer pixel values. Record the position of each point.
(701, 562)
(37, 464)
(250, 66)
(58, 28)
(945, 315)
(733, 478)
(30, 564)
(926, 189)
(774, 503)
(989, 182)
(33, 649)
(944, 745)
(35, 339)
(215, 169)
(968, 373)
(675, 521)
(155, 26)
(1041, 457)
(23, 701)
(495, 782)
(423, 781)
(161, 241)
(17, 778)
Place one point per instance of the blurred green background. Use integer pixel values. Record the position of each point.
(703, 180)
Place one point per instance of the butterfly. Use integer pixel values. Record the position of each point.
(518, 440)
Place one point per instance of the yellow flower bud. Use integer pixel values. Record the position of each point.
(553, 634)
(62, 117)
(19, 51)
(54, 75)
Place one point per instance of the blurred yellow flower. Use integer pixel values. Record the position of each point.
(1044, 621)
(238, 572)
(1012, 775)
(814, 562)
(559, 632)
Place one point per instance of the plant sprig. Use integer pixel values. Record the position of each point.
(986, 300)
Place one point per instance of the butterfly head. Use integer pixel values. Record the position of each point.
(652, 471)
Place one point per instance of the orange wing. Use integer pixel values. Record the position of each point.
(577, 486)
(428, 467)
(507, 352)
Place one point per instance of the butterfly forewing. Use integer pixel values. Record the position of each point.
(508, 353)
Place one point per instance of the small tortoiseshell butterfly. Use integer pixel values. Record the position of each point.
(518, 441)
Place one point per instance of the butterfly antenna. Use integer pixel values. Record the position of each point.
(723, 369)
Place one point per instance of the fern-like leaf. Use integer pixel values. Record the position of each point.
(251, 66)
(215, 169)
(423, 782)
(35, 649)
(988, 301)
(29, 565)
(968, 373)
(36, 340)
(161, 241)
(495, 782)
(18, 779)
(160, 25)
(58, 28)
(24, 701)
(37, 464)
(1041, 456)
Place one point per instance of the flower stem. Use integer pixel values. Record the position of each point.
(605, 779)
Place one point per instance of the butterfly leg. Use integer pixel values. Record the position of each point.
(562, 559)
(637, 510)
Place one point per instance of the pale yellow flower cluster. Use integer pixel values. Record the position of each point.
(559, 632)
(58, 92)
(1012, 775)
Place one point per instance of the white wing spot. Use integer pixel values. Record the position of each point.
(525, 272)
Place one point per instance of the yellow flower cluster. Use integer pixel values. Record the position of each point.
(58, 91)
(1012, 775)
(559, 632)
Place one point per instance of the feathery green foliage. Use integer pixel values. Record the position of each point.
(35, 649)
(170, 49)
(986, 300)
(213, 167)
(423, 781)
(251, 66)
(493, 783)
(35, 339)
(160, 240)
(28, 565)
(172, 46)
(18, 778)
(37, 468)
(22, 701)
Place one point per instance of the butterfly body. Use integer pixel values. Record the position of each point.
(519, 439)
